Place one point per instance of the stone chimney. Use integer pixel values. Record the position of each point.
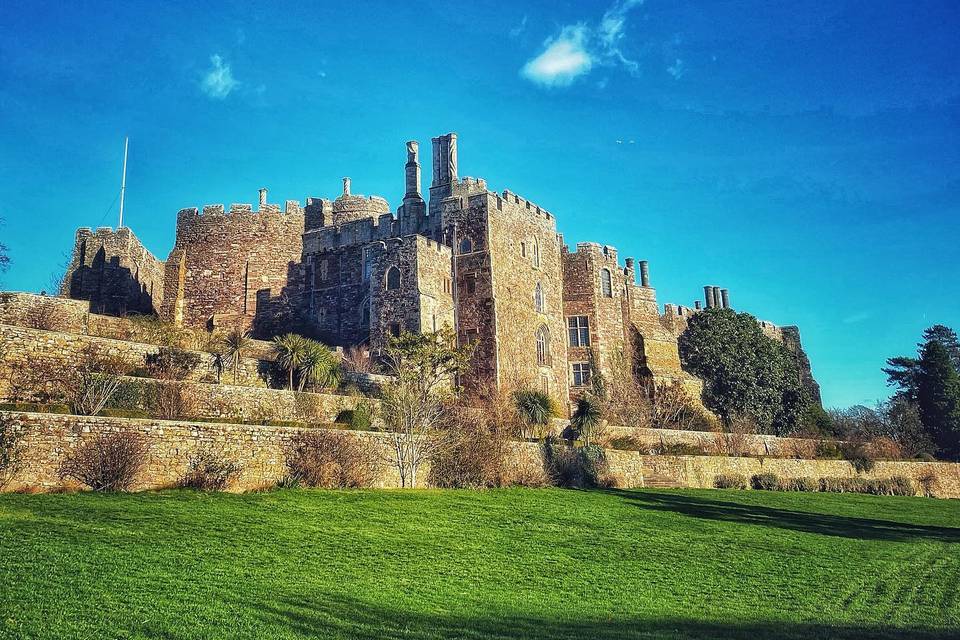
(444, 159)
(716, 298)
(346, 186)
(708, 296)
(725, 298)
(696, 304)
(644, 273)
(263, 197)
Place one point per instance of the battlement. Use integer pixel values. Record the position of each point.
(291, 208)
(511, 197)
(355, 232)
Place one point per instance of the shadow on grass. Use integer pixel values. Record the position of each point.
(805, 521)
(337, 616)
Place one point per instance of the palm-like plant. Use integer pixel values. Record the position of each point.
(236, 344)
(534, 407)
(586, 418)
(290, 349)
(218, 360)
(319, 366)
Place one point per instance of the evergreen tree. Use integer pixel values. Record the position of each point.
(745, 373)
(938, 397)
(903, 371)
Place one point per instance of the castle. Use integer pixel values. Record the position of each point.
(352, 272)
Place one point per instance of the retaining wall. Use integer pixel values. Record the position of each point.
(48, 440)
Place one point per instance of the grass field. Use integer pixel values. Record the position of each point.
(497, 564)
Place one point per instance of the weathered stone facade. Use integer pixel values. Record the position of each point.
(114, 272)
(491, 265)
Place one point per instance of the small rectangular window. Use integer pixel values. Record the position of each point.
(579, 329)
(395, 329)
(470, 284)
(581, 374)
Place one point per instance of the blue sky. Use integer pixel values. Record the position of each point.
(805, 155)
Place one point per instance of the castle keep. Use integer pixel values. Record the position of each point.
(352, 272)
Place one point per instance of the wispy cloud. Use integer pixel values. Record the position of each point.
(857, 318)
(564, 58)
(218, 81)
(519, 29)
(578, 48)
(677, 69)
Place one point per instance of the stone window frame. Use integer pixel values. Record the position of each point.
(542, 340)
(578, 331)
(470, 283)
(539, 299)
(392, 283)
(367, 263)
(466, 246)
(536, 253)
(324, 268)
(523, 248)
(395, 329)
(580, 374)
(606, 283)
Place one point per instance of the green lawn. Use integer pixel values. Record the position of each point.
(496, 564)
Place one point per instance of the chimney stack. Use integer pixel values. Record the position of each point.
(346, 186)
(725, 298)
(708, 296)
(644, 273)
(263, 197)
(444, 159)
(696, 304)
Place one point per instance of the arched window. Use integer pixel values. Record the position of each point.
(606, 285)
(393, 278)
(538, 300)
(543, 345)
(466, 246)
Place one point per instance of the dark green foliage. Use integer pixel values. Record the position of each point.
(895, 486)
(586, 418)
(731, 481)
(938, 398)
(744, 371)
(765, 481)
(535, 409)
(857, 451)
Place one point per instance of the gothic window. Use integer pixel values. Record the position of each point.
(581, 373)
(538, 299)
(543, 346)
(606, 285)
(365, 315)
(579, 329)
(393, 279)
(466, 246)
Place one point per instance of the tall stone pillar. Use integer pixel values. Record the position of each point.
(444, 159)
(346, 186)
(725, 298)
(412, 170)
(263, 197)
(716, 297)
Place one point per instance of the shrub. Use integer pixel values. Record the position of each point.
(361, 418)
(828, 450)
(765, 481)
(587, 422)
(535, 409)
(570, 467)
(10, 449)
(90, 383)
(208, 471)
(172, 363)
(332, 460)
(107, 462)
(884, 448)
(894, 486)
(171, 401)
(929, 484)
(858, 452)
(626, 443)
(44, 314)
(475, 455)
(798, 484)
(731, 481)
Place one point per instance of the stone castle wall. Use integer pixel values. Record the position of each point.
(114, 271)
(49, 439)
(230, 269)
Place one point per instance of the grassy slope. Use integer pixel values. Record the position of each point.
(505, 564)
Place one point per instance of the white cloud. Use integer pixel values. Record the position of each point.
(219, 81)
(564, 58)
(857, 318)
(677, 69)
(579, 47)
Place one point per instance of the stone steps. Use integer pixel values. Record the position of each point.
(657, 481)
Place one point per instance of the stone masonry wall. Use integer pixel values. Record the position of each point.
(49, 439)
(23, 349)
(114, 271)
(227, 269)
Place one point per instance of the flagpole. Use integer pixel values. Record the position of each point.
(123, 181)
